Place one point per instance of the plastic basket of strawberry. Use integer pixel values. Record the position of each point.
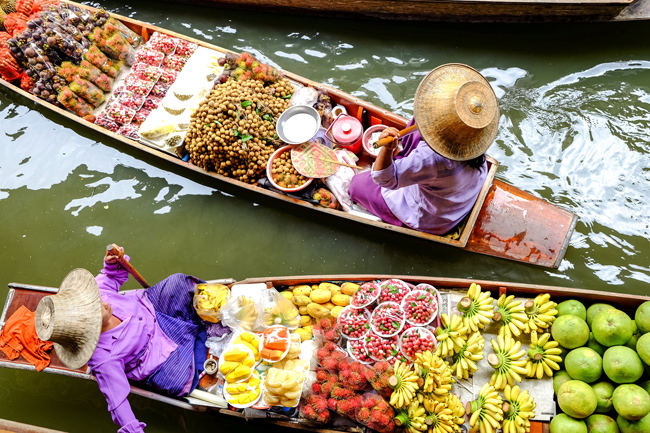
(354, 322)
(387, 319)
(366, 295)
(420, 307)
(416, 340)
(393, 290)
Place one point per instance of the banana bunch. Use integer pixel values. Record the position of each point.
(518, 409)
(404, 382)
(543, 356)
(541, 313)
(511, 315)
(457, 410)
(465, 361)
(507, 361)
(486, 412)
(477, 308)
(440, 418)
(435, 372)
(451, 335)
(412, 419)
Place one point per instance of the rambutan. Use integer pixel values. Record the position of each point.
(249, 63)
(382, 405)
(316, 387)
(331, 346)
(363, 416)
(339, 355)
(323, 417)
(357, 381)
(308, 412)
(319, 404)
(355, 403)
(322, 353)
(331, 335)
(343, 407)
(382, 366)
(326, 388)
(376, 413)
(245, 56)
(331, 363)
(322, 375)
(331, 403)
(344, 365)
(338, 392)
(333, 378)
(384, 419)
(344, 376)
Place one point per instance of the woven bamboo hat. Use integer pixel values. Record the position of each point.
(72, 319)
(456, 111)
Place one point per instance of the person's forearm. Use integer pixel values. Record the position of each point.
(384, 159)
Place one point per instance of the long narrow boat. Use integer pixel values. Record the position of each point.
(29, 296)
(505, 222)
(455, 10)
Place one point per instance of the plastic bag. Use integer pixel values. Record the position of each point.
(239, 312)
(208, 300)
(275, 309)
(72, 102)
(129, 35)
(304, 96)
(375, 413)
(87, 90)
(339, 182)
(96, 57)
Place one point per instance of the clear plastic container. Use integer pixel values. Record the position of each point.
(146, 72)
(416, 340)
(366, 295)
(163, 43)
(174, 62)
(138, 86)
(354, 322)
(420, 307)
(106, 122)
(387, 319)
(118, 113)
(131, 100)
(222, 361)
(381, 348)
(230, 397)
(130, 131)
(357, 350)
(393, 290)
(275, 342)
(149, 56)
(426, 287)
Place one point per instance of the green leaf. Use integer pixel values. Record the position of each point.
(246, 103)
(393, 352)
(245, 138)
(395, 324)
(257, 110)
(218, 123)
(237, 133)
(275, 136)
(287, 97)
(413, 304)
(267, 117)
(419, 298)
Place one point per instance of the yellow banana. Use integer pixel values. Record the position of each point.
(540, 313)
(543, 356)
(485, 417)
(507, 362)
(511, 315)
(464, 362)
(518, 408)
(451, 335)
(477, 308)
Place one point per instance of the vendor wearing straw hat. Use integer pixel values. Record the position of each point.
(152, 336)
(434, 181)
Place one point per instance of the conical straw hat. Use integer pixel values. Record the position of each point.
(456, 112)
(72, 319)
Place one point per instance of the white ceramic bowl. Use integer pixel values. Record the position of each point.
(298, 124)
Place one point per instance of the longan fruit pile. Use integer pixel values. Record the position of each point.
(232, 132)
(284, 173)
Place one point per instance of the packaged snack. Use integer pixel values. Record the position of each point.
(174, 62)
(87, 90)
(274, 343)
(61, 40)
(72, 102)
(208, 300)
(131, 100)
(129, 131)
(105, 122)
(96, 57)
(161, 42)
(38, 61)
(172, 106)
(119, 113)
(129, 35)
(149, 56)
(239, 312)
(146, 72)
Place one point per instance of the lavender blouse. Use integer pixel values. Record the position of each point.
(427, 191)
(132, 350)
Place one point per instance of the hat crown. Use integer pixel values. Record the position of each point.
(456, 112)
(72, 318)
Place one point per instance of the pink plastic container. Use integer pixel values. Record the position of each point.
(269, 174)
(367, 141)
(347, 132)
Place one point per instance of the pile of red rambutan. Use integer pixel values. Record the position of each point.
(314, 408)
(327, 329)
(375, 413)
(378, 378)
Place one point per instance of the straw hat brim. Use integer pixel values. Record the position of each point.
(72, 319)
(456, 112)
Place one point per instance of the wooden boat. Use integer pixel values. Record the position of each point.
(29, 296)
(7, 426)
(505, 222)
(455, 10)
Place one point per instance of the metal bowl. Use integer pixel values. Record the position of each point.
(298, 124)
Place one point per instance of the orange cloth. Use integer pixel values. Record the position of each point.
(18, 337)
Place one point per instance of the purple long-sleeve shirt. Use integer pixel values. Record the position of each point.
(132, 350)
(427, 191)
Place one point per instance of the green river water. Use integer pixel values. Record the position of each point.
(575, 113)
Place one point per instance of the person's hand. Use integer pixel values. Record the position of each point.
(111, 258)
(390, 132)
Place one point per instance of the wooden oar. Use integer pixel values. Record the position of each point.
(114, 251)
(386, 140)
